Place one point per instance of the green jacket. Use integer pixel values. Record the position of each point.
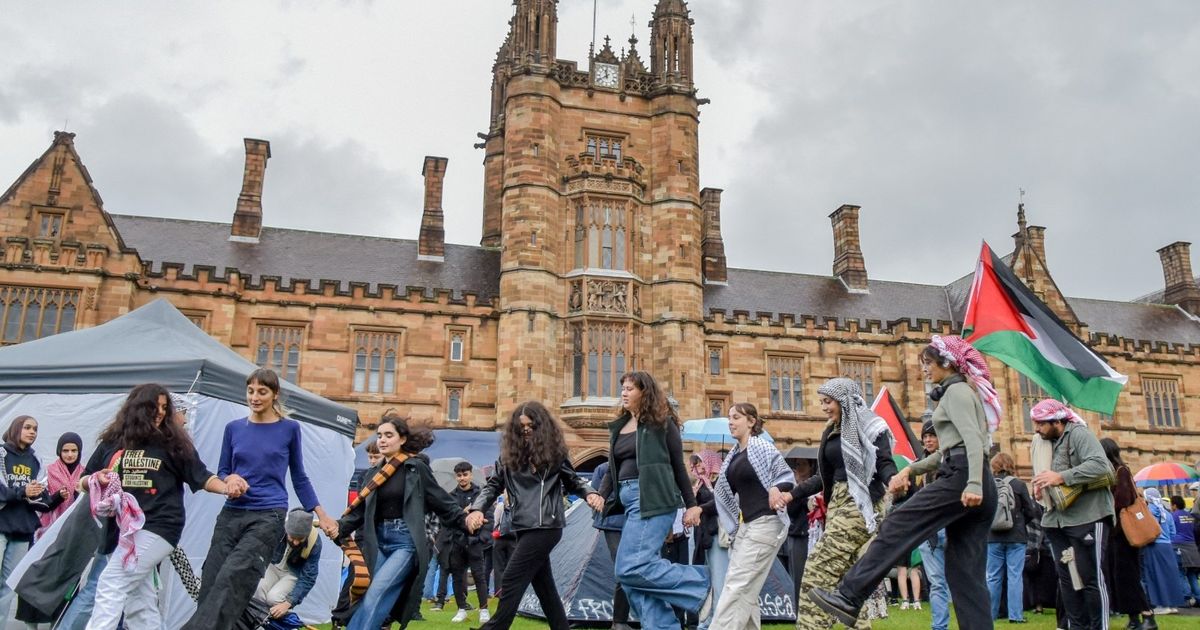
(959, 420)
(659, 490)
(1080, 459)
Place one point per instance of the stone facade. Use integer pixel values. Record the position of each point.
(600, 253)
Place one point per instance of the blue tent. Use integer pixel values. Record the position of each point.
(481, 448)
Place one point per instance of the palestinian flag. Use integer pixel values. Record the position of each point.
(906, 443)
(1006, 320)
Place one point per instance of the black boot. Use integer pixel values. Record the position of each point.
(1148, 623)
(836, 604)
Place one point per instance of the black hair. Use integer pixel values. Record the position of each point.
(462, 467)
(1177, 502)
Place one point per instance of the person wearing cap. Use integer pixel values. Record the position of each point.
(1081, 527)
(294, 565)
(962, 499)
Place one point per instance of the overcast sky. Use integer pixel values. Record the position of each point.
(930, 115)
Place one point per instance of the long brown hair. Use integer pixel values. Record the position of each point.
(543, 450)
(12, 436)
(654, 409)
(417, 437)
(134, 426)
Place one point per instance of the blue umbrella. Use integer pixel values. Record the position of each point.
(712, 430)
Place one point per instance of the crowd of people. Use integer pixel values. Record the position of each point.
(692, 539)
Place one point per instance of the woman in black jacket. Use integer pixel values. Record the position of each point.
(391, 517)
(23, 498)
(533, 468)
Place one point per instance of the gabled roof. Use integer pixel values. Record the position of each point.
(1157, 296)
(311, 256)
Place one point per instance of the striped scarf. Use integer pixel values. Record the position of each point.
(360, 573)
(769, 467)
(860, 427)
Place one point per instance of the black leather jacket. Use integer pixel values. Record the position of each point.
(535, 498)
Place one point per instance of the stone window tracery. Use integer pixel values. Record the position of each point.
(1031, 394)
(599, 356)
(28, 313)
(279, 350)
(601, 234)
(375, 355)
(1162, 402)
(786, 383)
(863, 373)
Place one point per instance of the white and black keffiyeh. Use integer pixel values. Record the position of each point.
(860, 427)
(769, 467)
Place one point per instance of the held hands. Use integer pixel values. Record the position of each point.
(595, 501)
(474, 521)
(775, 499)
(970, 499)
(64, 493)
(280, 609)
(691, 517)
(235, 486)
(900, 482)
(328, 525)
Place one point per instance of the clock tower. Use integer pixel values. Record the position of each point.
(592, 196)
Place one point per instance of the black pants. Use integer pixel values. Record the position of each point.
(797, 556)
(937, 506)
(530, 564)
(1087, 608)
(620, 612)
(241, 547)
(463, 557)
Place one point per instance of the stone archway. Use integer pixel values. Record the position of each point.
(587, 460)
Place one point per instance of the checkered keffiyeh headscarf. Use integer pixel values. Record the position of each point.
(972, 365)
(860, 427)
(1049, 410)
(710, 462)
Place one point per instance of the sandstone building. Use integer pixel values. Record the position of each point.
(601, 253)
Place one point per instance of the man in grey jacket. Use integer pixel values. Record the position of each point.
(1076, 532)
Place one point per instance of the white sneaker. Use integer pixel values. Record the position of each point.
(459, 616)
(484, 615)
(904, 605)
(916, 605)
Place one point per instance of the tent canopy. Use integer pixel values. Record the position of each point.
(153, 344)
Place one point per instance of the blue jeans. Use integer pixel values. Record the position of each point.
(79, 611)
(934, 560)
(431, 578)
(1011, 555)
(718, 565)
(11, 553)
(652, 583)
(397, 561)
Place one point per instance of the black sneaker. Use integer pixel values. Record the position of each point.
(833, 603)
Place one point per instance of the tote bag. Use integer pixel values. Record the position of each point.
(1138, 524)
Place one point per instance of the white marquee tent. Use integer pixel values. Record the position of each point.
(77, 381)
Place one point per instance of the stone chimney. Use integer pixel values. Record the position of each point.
(713, 246)
(432, 244)
(1036, 237)
(848, 263)
(247, 219)
(1181, 288)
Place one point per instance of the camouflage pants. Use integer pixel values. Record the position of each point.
(845, 536)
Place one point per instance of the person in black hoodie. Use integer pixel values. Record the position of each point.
(23, 497)
(459, 551)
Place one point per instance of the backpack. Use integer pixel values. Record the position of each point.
(1006, 503)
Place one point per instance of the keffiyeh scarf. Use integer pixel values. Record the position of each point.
(974, 367)
(1049, 410)
(860, 427)
(709, 463)
(110, 500)
(58, 478)
(771, 471)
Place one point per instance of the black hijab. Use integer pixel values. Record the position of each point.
(70, 438)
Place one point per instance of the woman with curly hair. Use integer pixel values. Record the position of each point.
(389, 515)
(646, 466)
(154, 459)
(534, 471)
(962, 499)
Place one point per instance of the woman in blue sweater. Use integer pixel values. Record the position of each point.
(258, 452)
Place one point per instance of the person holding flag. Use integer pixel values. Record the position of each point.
(962, 499)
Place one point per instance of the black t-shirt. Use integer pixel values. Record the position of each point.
(626, 455)
(390, 502)
(835, 466)
(156, 480)
(752, 496)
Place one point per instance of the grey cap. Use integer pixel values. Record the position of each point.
(299, 523)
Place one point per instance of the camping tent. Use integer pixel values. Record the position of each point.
(583, 572)
(77, 381)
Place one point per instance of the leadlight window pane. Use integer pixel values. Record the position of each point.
(606, 258)
(456, 347)
(360, 370)
(375, 368)
(454, 406)
(33, 313)
(786, 384)
(593, 373)
(606, 371)
(714, 361)
(1031, 394)
(389, 372)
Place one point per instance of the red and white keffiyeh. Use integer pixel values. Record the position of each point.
(110, 500)
(1049, 410)
(972, 365)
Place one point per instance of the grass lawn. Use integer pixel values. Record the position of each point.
(899, 620)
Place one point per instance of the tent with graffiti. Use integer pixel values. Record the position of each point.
(583, 572)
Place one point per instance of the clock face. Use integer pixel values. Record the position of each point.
(606, 75)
